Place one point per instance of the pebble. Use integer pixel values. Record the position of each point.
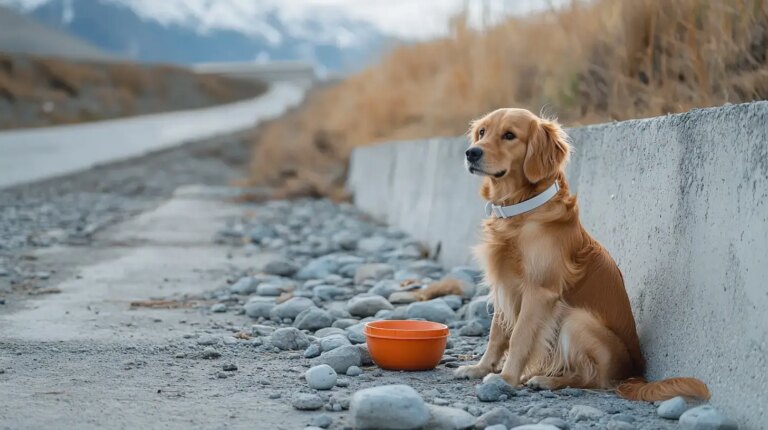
(446, 418)
(706, 417)
(501, 416)
(323, 421)
(219, 308)
(585, 413)
(555, 421)
(374, 272)
(340, 359)
(245, 285)
(332, 342)
(619, 425)
(289, 338)
(355, 333)
(473, 328)
(208, 339)
(536, 427)
(312, 351)
(210, 352)
(385, 288)
(435, 310)
(388, 407)
(343, 323)
(367, 305)
(291, 308)
(342, 382)
(321, 377)
(672, 409)
(259, 307)
(281, 268)
(354, 371)
(307, 402)
(318, 268)
(328, 331)
(313, 319)
(496, 427)
(222, 375)
(229, 367)
(402, 298)
(493, 388)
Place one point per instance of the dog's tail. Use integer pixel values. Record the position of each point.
(640, 389)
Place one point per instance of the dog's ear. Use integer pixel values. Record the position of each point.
(547, 152)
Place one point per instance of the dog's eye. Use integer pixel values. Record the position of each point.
(481, 132)
(508, 136)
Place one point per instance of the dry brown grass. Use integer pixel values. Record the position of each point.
(606, 60)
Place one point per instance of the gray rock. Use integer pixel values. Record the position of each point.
(672, 409)
(322, 421)
(501, 416)
(328, 331)
(307, 402)
(496, 427)
(355, 333)
(585, 413)
(385, 288)
(619, 425)
(373, 271)
(388, 407)
(274, 288)
(340, 359)
(312, 351)
(536, 427)
(291, 308)
(432, 310)
(229, 367)
(472, 328)
(402, 298)
(374, 244)
(321, 377)
(208, 339)
(453, 301)
(479, 309)
(210, 352)
(281, 268)
(262, 330)
(354, 371)
(345, 240)
(365, 355)
(259, 307)
(289, 338)
(345, 322)
(555, 421)
(245, 285)
(318, 268)
(219, 308)
(426, 269)
(333, 341)
(706, 417)
(493, 388)
(313, 319)
(367, 305)
(331, 292)
(445, 418)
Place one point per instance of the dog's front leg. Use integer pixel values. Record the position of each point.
(497, 343)
(536, 307)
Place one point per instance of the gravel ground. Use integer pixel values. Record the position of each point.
(70, 210)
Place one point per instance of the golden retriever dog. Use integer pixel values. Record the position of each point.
(562, 316)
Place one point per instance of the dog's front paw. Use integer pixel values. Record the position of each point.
(475, 371)
(541, 383)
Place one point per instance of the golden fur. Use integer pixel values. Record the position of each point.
(445, 287)
(562, 315)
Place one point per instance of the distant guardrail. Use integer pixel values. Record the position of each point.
(278, 71)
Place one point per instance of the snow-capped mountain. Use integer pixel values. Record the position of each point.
(193, 31)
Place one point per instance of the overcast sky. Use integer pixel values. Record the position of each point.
(407, 19)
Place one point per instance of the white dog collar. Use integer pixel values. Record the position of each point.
(522, 207)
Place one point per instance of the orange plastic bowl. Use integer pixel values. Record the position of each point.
(406, 345)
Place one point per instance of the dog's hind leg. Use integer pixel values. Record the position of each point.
(590, 355)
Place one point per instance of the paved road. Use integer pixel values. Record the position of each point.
(35, 154)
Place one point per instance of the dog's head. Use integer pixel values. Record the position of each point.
(516, 146)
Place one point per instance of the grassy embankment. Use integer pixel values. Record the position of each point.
(588, 63)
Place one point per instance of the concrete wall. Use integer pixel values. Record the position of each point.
(681, 202)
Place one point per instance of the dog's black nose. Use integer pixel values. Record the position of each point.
(474, 154)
